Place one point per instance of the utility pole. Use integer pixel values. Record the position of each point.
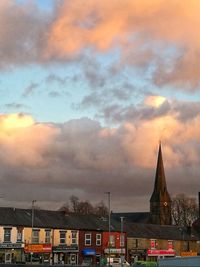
(122, 240)
(108, 193)
(32, 223)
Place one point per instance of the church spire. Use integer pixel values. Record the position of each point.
(160, 202)
(160, 186)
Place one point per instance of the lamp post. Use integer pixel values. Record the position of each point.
(32, 222)
(122, 240)
(108, 193)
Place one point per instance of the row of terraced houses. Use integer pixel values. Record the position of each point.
(58, 237)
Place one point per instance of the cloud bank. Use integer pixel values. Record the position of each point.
(81, 157)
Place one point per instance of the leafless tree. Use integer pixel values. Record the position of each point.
(84, 207)
(184, 210)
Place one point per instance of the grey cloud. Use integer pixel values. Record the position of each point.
(118, 113)
(23, 34)
(183, 111)
(14, 105)
(54, 94)
(104, 98)
(29, 90)
(55, 78)
(187, 110)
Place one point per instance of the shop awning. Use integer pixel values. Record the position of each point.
(88, 252)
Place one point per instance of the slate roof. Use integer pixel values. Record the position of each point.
(165, 232)
(52, 219)
(137, 217)
(62, 220)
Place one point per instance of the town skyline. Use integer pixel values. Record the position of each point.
(88, 92)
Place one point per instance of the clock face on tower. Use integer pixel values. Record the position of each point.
(165, 204)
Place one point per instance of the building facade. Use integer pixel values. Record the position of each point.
(11, 244)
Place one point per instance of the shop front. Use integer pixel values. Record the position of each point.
(137, 254)
(160, 253)
(89, 256)
(115, 252)
(38, 253)
(63, 254)
(11, 253)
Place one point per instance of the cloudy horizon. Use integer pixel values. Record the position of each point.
(87, 93)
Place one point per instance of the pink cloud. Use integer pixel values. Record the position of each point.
(136, 27)
(24, 142)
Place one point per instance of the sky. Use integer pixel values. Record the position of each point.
(88, 89)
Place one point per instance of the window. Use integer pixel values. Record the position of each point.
(135, 243)
(62, 237)
(153, 243)
(74, 237)
(122, 240)
(35, 236)
(112, 240)
(88, 239)
(48, 236)
(98, 239)
(170, 244)
(19, 234)
(7, 234)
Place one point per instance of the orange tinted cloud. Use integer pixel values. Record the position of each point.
(100, 23)
(23, 141)
(136, 27)
(140, 142)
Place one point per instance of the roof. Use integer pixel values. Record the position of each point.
(134, 217)
(51, 219)
(63, 220)
(165, 232)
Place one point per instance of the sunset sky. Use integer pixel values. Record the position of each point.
(88, 89)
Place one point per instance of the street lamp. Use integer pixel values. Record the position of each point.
(32, 222)
(108, 193)
(122, 240)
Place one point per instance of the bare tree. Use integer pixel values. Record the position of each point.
(84, 207)
(184, 210)
(74, 203)
(101, 209)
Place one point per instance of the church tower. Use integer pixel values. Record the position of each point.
(160, 201)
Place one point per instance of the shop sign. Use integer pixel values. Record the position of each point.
(88, 252)
(115, 250)
(37, 248)
(161, 252)
(11, 245)
(65, 248)
(188, 253)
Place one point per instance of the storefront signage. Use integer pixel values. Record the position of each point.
(88, 252)
(37, 248)
(188, 253)
(64, 248)
(163, 252)
(115, 250)
(11, 245)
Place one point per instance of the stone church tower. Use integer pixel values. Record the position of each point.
(160, 201)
